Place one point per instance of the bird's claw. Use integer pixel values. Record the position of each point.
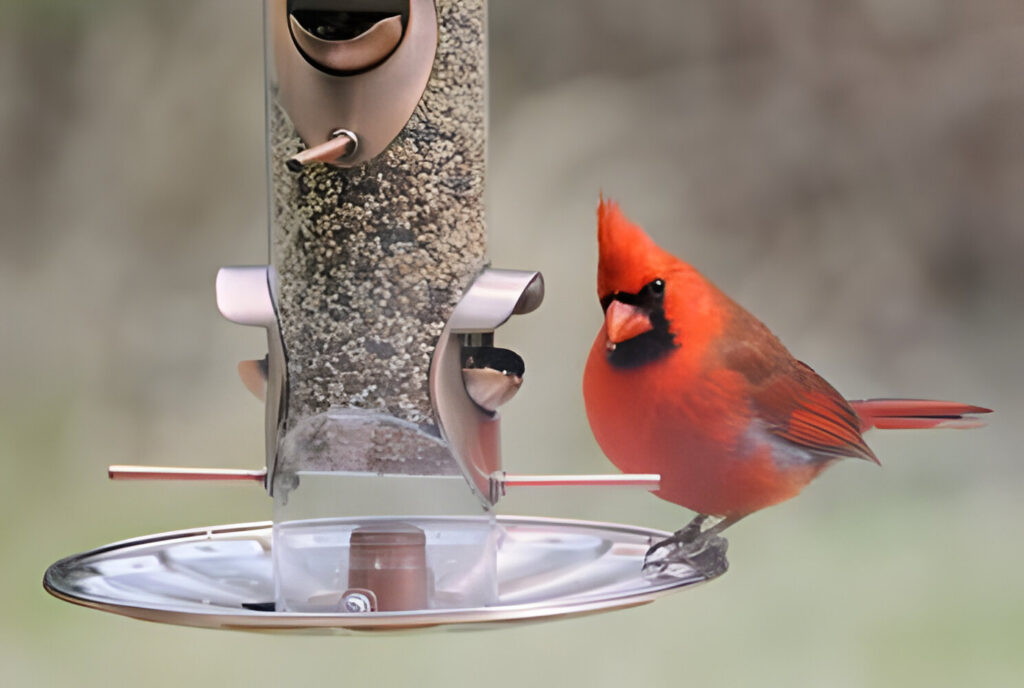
(675, 557)
(684, 538)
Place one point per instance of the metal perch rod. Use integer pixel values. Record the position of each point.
(648, 481)
(177, 473)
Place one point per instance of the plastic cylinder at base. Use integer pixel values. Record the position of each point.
(416, 542)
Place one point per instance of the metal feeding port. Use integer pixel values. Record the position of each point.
(383, 379)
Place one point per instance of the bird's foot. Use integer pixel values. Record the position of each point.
(685, 535)
(684, 553)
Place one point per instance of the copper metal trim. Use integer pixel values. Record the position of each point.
(245, 295)
(376, 103)
(362, 52)
(472, 433)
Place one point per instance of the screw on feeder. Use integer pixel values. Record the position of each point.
(358, 602)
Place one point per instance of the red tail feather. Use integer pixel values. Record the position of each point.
(890, 414)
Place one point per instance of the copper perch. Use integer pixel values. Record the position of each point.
(648, 481)
(341, 144)
(177, 473)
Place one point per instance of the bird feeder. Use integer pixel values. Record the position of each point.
(382, 380)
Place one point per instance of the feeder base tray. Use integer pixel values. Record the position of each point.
(221, 577)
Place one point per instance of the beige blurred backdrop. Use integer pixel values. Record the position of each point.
(853, 173)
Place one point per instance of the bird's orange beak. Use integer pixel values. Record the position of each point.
(623, 321)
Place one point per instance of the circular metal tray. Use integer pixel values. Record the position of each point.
(547, 568)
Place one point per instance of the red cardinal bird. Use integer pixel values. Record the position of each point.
(684, 382)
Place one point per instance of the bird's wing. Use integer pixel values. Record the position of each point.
(805, 410)
(792, 401)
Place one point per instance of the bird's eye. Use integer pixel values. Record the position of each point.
(657, 287)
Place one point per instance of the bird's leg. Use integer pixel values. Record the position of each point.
(684, 536)
(720, 526)
(691, 549)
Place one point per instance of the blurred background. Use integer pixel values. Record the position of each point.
(853, 173)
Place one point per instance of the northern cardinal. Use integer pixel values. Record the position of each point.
(682, 381)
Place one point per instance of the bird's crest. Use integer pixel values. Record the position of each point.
(628, 258)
